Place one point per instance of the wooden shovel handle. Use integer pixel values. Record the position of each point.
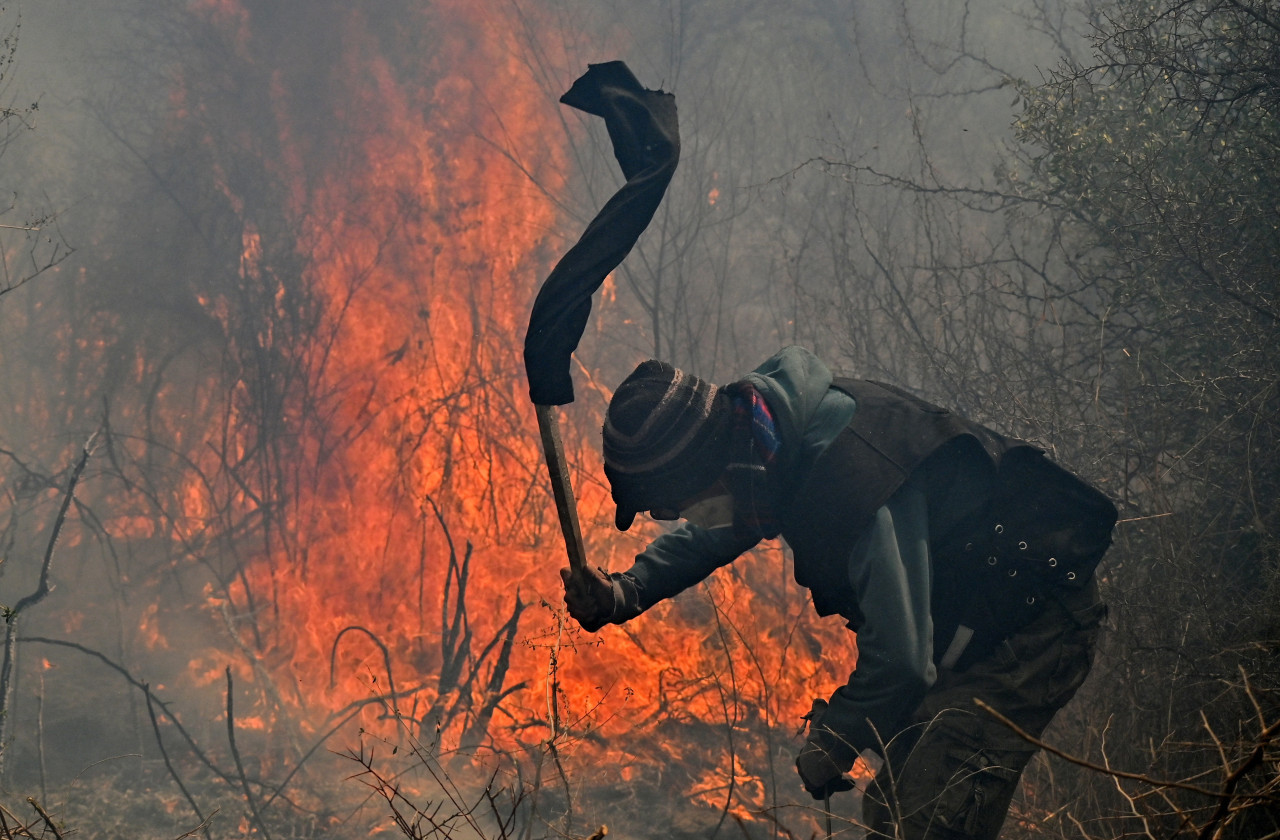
(553, 449)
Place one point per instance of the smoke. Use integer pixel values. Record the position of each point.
(306, 236)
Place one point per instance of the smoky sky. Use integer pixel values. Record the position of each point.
(811, 80)
(791, 114)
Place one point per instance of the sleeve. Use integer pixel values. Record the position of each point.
(889, 569)
(671, 564)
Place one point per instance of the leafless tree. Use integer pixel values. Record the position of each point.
(1112, 296)
(31, 242)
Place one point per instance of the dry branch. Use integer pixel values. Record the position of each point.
(42, 589)
(1228, 798)
(235, 754)
(155, 727)
(44, 816)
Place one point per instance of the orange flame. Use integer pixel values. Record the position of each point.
(413, 465)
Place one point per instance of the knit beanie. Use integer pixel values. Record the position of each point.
(666, 439)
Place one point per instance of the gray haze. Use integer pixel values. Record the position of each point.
(851, 180)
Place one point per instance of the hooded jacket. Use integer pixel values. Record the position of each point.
(884, 500)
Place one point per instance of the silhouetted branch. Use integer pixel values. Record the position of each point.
(1227, 796)
(493, 691)
(235, 754)
(44, 815)
(155, 727)
(341, 716)
(135, 682)
(433, 818)
(1089, 765)
(386, 656)
(42, 589)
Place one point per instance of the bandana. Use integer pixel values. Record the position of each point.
(755, 444)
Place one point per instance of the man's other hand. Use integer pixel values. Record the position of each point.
(823, 760)
(820, 771)
(588, 597)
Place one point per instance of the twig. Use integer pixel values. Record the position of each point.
(352, 711)
(729, 706)
(1226, 796)
(42, 589)
(1229, 785)
(1143, 518)
(136, 683)
(342, 716)
(536, 789)
(386, 658)
(155, 726)
(493, 692)
(44, 793)
(203, 826)
(553, 743)
(44, 815)
(235, 754)
(1088, 765)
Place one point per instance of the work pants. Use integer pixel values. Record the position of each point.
(951, 774)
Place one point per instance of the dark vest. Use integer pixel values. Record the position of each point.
(1036, 519)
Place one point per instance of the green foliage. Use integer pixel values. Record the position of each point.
(1160, 162)
(1167, 150)
(1163, 158)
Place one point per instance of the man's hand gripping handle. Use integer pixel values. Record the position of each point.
(587, 592)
